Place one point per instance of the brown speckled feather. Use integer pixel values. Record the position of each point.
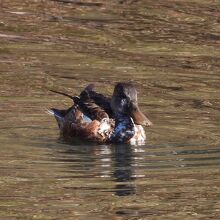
(74, 126)
(94, 105)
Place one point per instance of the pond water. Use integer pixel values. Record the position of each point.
(169, 50)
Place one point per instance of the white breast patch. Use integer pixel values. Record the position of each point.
(140, 137)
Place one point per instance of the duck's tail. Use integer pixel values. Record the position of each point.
(56, 112)
(59, 115)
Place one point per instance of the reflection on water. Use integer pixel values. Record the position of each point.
(124, 173)
(169, 49)
(114, 162)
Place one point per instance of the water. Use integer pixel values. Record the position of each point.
(170, 50)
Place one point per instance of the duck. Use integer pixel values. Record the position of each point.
(94, 117)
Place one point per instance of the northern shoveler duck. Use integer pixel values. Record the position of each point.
(97, 118)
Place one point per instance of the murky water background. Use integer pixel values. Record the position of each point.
(169, 49)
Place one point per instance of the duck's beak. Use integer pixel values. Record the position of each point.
(138, 117)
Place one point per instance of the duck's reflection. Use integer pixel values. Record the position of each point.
(104, 162)
(117, 163)
(123, 170)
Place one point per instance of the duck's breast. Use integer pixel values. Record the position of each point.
(139, 137)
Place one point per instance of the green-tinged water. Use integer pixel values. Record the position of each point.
(169, 50)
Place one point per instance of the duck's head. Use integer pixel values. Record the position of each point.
(124, 102)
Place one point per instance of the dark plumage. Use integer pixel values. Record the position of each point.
(97, 118)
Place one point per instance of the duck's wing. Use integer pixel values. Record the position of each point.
(91, 109)
(73, 124)
(98, 98)
(94, 105)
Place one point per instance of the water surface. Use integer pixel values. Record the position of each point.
(169, 50)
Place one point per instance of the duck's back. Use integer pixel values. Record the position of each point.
(94, 105)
